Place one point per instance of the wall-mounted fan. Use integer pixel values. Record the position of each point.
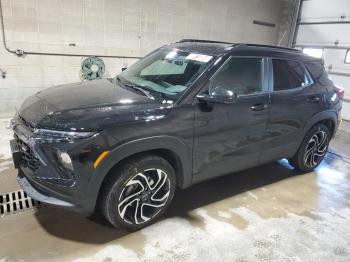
(92, 68)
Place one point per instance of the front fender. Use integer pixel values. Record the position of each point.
(173, 144)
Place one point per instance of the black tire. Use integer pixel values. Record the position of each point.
(313, 149)
(128, 199)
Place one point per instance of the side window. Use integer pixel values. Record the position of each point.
(288, 74)
(240, 75)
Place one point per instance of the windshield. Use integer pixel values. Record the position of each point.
(166, 71)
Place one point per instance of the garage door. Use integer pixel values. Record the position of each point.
(324, 28)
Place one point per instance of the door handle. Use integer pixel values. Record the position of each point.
(258, 107)
(313, 99)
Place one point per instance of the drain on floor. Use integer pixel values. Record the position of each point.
(17, 201)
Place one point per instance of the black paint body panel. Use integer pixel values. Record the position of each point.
(208, 140)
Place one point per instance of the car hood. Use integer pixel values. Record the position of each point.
(92, 105)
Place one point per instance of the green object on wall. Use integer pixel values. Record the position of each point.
(93, 68)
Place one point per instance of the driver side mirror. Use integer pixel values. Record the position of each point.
(219, 95)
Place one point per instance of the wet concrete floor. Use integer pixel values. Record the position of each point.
(268, 213)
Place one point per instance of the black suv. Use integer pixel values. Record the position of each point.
(187, 112)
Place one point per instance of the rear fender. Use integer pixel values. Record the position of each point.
(325, 115)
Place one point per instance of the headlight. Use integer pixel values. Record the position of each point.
(65, 159)
(63, 135)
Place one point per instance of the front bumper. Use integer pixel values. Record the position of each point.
(43, 179)
(41, 196)
(28, 187)
(52, 194)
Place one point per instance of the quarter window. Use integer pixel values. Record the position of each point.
(242, 76)
(289, 74)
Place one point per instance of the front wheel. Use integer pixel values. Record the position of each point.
(312, 149)
(139, 193)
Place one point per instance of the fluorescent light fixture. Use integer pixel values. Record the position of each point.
(347, 57)
(315, 52)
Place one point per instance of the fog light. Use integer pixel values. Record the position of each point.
(65, 159)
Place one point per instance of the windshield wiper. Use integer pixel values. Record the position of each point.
(138, 88)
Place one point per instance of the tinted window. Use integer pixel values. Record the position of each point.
(288, 75)
(240, 75)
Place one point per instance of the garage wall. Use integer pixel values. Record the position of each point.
(323, 24)
(118, 27)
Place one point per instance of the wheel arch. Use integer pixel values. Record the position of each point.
(172, 149)
(330, 125)
(328, 118)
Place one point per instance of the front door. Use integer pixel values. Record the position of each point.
(228, 137)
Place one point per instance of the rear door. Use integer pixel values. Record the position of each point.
(294, 101)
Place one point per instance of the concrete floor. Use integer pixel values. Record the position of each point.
(269, 213)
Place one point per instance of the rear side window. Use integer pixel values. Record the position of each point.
(289, 74)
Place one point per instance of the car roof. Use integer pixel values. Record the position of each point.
(203, 47)
(218, 48)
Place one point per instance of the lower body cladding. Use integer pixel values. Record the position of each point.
(45, 180)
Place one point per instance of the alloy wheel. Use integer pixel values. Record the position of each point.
(143, 196)
(316, 149)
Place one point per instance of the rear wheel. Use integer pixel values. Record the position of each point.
(313, 149)
(137, 195)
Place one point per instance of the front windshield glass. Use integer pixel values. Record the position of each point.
(166, 71)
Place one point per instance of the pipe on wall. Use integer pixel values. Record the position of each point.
(324, 23)
(323, 46)
(20, 52)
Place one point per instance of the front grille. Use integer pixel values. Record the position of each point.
(28, 158)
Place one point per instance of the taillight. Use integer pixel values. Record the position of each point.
(340, 91)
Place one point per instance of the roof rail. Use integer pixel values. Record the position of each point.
(239, 44)
(272, 46)
(203, 41)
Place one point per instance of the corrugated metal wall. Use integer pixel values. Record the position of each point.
(326, 24)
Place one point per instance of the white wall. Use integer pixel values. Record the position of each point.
(117, 27)
(327, 35)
